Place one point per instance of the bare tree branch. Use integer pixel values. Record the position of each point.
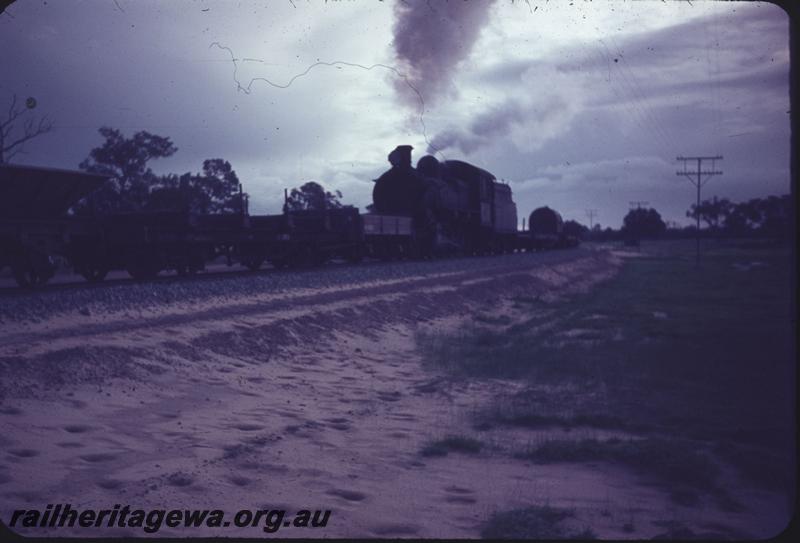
(12, 107)
(30, 129)
(12, 154)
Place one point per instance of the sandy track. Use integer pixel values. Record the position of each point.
(294, 400)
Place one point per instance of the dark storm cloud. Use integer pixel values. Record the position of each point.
(431, 39)
(706, 55)
(773, 77)
(695, 40)
(707, 59)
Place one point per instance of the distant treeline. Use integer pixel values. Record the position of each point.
(769, 217)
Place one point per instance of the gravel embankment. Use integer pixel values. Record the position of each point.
(26, 306)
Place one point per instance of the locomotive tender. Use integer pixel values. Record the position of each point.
(437, 208)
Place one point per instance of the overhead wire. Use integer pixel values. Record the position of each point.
(626, 71)
(630, 99)
(627, 99)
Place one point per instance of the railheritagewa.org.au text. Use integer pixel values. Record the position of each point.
(152, 520)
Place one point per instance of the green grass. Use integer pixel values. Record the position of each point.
(671, 461)
(537, 522)
(501, 320)
(704, 354)
(452, 443)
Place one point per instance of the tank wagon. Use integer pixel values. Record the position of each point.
(546, 231)
(436, 208)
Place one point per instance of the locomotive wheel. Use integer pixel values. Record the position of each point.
(297, 259)
(306, 257)
(355, 256)
(318, 257)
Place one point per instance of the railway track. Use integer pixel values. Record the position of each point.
(95, 311)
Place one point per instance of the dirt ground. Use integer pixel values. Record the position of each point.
(304, 399)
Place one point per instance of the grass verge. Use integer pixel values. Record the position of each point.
(537, 522)
(671, 461)
(452, 443)
(704, 354)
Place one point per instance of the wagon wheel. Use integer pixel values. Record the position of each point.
(144, 269)
(302, 257)
(31, 271)
(140, 273)
(355, 255)
(27, 277)
(279, 262)
(93, 274)
(185, 270)
(253, 263)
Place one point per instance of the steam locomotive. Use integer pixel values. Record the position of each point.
(456, 207)
(436, 208)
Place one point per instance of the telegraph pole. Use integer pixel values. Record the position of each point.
(698, 182)
(591, 213)
(638, 204)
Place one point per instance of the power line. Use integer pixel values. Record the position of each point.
(698, 182)
(641, 95)
(591, 213)
(626, 98)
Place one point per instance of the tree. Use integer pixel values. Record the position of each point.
(712, 212)
(19, 127)
(125, 161)
(776, 213)
(222, 186)
(643, 223)
(738, 221)
(310, 196)
(214, 191)
(768, 216)
(575, 229)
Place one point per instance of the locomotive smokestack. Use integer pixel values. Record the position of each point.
(401, 156)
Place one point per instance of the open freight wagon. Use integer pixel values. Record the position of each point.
(34, 224)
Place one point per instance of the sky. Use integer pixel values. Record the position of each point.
(577, 105)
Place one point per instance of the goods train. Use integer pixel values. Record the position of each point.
(436, 208)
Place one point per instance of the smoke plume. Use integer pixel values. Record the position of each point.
(485, 127)
(529, 115)
(430, 39)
